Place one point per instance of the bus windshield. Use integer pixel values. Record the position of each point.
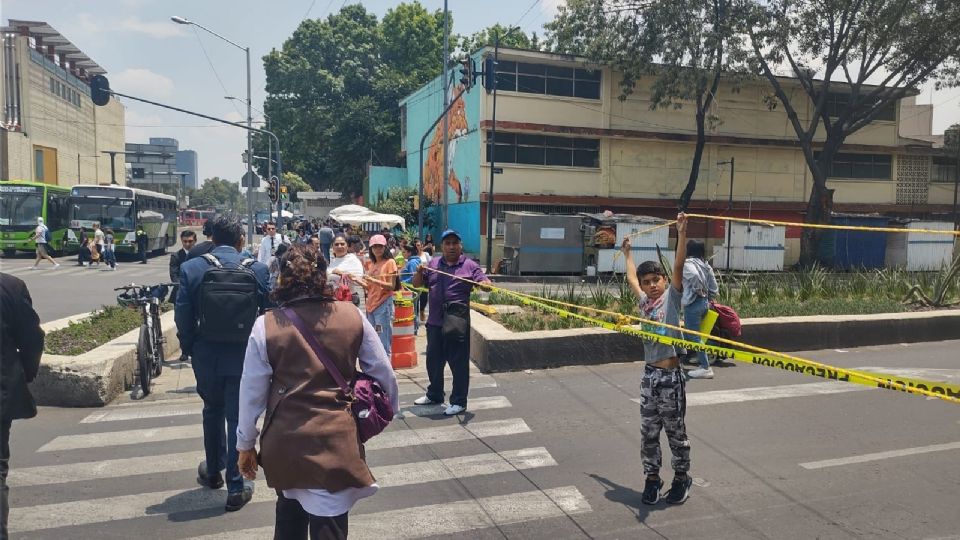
(19, 210)
(112, 213)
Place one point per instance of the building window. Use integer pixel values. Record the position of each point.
(944, 169)
(548, 80)
(38, 165)
(865, 166)
(547, 150)
(838, 102)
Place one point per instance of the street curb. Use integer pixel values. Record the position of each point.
(493, 348)
(94, 378)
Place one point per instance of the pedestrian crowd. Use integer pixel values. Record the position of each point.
(271, 332)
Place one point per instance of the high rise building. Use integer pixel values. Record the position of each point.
(187, 163)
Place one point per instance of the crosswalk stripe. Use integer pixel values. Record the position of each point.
(758, 393)
(459, 432)
(425, 380)
(387, 476)
(476, 404)
(420, 387)
(116, 414)
(122, 438)
(391, 439)
(98, 470)
(449, 518)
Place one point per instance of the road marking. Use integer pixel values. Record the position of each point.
(424, 380)
(115, 414)
(122, 438)
(97, 470)
(420, 387)
(387, 476)
(757, 393)
(877, 456)
(476, 404)
(449, 518)
(458, 432)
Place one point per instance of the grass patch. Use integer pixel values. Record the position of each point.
(106, 324)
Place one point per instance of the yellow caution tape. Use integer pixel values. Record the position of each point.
(752, 354)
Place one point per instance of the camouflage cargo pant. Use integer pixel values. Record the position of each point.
(663, 404)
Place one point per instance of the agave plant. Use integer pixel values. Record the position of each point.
(940, 290)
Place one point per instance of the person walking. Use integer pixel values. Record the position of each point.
(213, 329)
(380, 281)
(202, 248)
(699, 287)
(41, 236)
(21, 345)
(345, 266)
(309, 447)
(271, 240)
(663, 394)
(142, 241)
(83, 255)
(98, 241)
(109, 255)
(188, 239)
(448, 323)
(326, 236)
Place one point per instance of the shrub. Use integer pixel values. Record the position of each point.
(106, 324)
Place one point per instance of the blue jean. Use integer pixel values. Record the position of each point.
(692, 316)
(382, 321)
(221, 405)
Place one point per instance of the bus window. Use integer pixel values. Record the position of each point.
(21, 209)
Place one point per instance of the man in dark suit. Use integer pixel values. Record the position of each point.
(21, 344)
(187, 240)
(218, 366)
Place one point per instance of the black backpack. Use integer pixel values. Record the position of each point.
(229, 302)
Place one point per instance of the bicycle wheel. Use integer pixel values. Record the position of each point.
(145, 359)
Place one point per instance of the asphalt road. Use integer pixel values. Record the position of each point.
(549, 454)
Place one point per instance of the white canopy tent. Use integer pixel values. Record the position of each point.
(286, 214)
(352, 214)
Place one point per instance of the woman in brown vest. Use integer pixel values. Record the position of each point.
(309, 448)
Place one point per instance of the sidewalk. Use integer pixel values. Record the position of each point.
(178, 381)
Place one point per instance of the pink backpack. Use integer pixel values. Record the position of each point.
(728, 322)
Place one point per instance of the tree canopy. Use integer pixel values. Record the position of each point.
(516, 39)
(334, 86)
(217, 192)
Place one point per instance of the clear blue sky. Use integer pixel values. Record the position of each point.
(147, 55)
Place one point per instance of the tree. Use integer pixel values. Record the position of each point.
(868, 53)
(217, 192)
(334, 86)
(685, 45)
(294, 184)
(516, 39)
(400, 201)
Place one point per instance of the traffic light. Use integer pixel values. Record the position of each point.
(272, 189)
(468, 73)
(99, 90)
(489, 73)
(283, 192)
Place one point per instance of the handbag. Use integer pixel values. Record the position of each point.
(370, 405)
(343, 292)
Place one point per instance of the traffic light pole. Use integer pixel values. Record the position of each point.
(100, 92)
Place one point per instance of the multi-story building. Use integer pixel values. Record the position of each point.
(187, 162)
(50, 131)
(566, 142)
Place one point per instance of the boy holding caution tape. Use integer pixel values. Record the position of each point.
(663, 398)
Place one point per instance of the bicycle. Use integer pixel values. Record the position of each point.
(150, 353)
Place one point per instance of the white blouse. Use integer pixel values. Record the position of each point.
(255, 386)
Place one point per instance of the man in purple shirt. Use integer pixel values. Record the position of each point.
(448, 325)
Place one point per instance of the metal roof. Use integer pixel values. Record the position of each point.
(61, 45)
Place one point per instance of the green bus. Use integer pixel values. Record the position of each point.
(123, 209)
(21, 203)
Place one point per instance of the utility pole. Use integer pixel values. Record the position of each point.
(446, 105)
(729, 224)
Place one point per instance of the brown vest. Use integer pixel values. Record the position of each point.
(309, 437)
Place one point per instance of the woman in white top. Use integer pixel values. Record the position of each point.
(344, 264)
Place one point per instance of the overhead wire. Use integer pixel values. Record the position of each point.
(214, 69)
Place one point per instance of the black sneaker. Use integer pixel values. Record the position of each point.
(239, 499)
(651, 491)
(679, 490)
(214, 481)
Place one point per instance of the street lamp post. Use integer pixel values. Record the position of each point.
(246, 50)
(493, 145)
(113, 164)
(729, 224)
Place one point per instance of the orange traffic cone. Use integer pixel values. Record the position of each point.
(403, 345)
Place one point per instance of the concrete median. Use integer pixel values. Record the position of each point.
(94, 378)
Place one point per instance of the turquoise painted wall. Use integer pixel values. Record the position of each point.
(382, 179)
(463, 189)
